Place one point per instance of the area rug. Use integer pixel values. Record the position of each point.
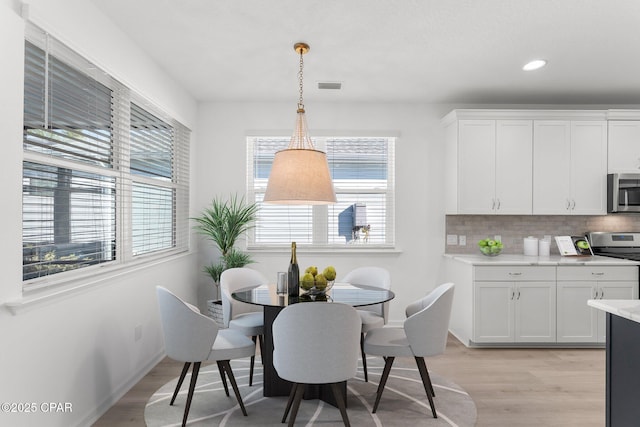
(403, 402)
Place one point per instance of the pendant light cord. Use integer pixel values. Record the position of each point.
(300, 85)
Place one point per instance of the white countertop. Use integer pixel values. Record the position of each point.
(553, 260)
(629, 309)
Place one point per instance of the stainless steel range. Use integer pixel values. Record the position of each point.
(625, 245)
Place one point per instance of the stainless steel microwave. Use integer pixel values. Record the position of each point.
(623, 192)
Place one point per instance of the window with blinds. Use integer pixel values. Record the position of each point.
(362, 170)
(105, 176)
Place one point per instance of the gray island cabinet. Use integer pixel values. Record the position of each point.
(623, 360)
(522, 301)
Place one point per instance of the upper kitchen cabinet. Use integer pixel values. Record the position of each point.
(569, 167)
(489, 166)
(624, 146)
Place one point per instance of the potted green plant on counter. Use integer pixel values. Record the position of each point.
(223, 222)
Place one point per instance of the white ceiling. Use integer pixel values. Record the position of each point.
(435, 51)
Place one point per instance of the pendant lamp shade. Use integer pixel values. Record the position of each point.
(300, 173)
(300, 177)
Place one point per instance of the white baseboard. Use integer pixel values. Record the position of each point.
(120, 391)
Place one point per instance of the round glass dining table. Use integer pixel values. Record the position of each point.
(272, 302)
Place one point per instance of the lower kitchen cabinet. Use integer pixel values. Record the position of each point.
(514, 305)
(515, 310)
(577, 322)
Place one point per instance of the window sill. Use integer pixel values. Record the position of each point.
(36, 297)
(352, 249)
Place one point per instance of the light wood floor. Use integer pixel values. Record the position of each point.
(511, 387)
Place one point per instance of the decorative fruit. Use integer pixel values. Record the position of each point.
(490, 247)
(307, 282)
(582, 244)
(329, 273)
(321, 282)
(315, 282)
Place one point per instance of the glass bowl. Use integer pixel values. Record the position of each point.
(316, 290)
(490, 250)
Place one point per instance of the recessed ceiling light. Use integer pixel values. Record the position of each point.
(534, 65)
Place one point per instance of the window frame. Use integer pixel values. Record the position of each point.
(118, 168)
(320, 213)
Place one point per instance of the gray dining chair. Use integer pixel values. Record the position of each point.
(191, 337)
(247, 319)
(423, 334)
(316, 343)
(372, 316)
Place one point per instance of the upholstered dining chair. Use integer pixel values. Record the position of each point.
(191, 337)
(372, 316)
(324, 353)
(247, 319)
(423, 334)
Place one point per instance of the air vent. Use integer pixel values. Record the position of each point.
(330, 85)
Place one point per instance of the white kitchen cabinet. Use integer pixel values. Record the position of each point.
(577, 322)
(514, 304)
(624, 146)
(569, 167)
(494, 166)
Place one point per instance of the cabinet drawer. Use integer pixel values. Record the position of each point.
(514, 273)
(595, 273)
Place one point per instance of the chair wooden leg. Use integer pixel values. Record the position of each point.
(253, 361)
(183, 374)
(383, 381)
(192, 387)
(296, 403)
(223, 377)
(340, 399)
(433, 392)
(232, 380)
(364, 358)
(426, 381)
(294, 387)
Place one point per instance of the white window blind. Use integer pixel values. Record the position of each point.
(105, 175)
(362, 169)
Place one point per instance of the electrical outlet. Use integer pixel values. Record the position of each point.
(452, 239)
(138, 332)
(462, 240)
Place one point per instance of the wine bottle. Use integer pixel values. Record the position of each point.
(293, 281)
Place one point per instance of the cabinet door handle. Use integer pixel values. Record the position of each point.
(601, 293)
(493, 204)
(513, 294)
(498, 207)
(515, 274)
(595, 273)
(568, 204)
(573, 204)
(518, 294)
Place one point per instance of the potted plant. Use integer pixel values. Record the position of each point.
(223, 222)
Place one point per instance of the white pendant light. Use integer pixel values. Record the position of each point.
(300, 173)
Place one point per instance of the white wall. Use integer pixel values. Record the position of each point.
(78, 348)
(222, 130)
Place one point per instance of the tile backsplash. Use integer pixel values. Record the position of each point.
(514, 228)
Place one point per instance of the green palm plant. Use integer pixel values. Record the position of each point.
(222, 223)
